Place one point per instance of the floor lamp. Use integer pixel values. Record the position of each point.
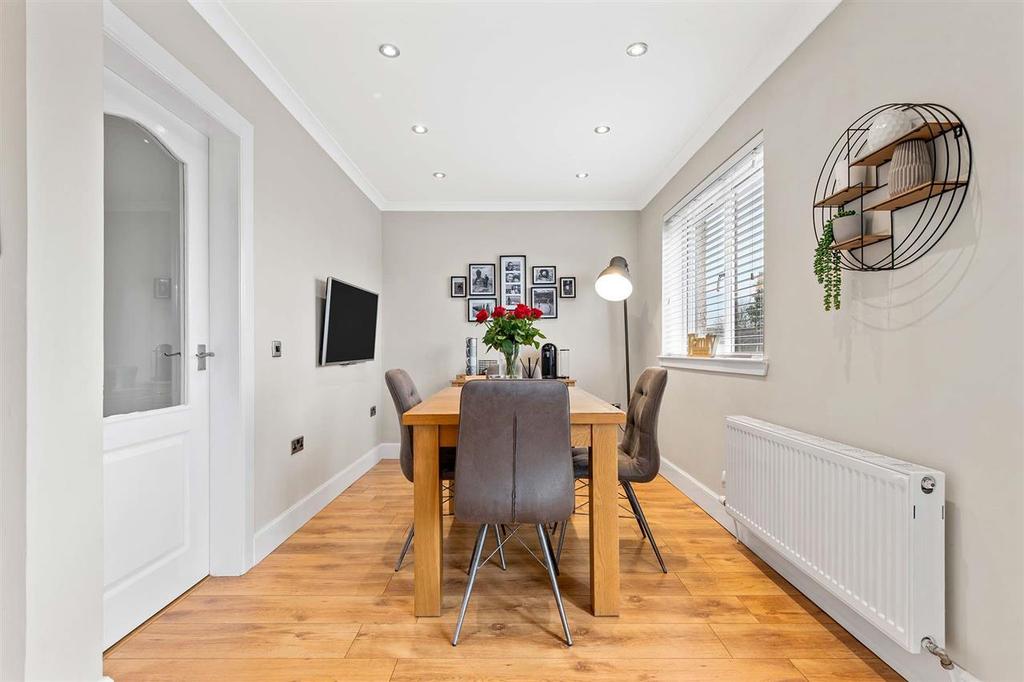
(614, 284)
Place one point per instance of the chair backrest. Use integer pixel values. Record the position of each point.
(640, 439)
(515, 462)
(403, 392)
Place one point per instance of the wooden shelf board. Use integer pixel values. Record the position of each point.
(926, 131)
(860, 242)
(845, 196)
(919, 193)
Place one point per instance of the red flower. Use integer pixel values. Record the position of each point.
(537, 313)
(481, 315)
(498, 312)
(522, 311)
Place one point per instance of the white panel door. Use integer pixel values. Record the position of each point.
(156, 390)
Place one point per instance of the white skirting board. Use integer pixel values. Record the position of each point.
(277, 531)
(389, 450)
(913, 667)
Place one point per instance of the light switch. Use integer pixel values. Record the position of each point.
(275, 349)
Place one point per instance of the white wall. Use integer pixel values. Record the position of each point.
(64, 365)
(12, 339)
(924, 363)
(425, 330)
(310, 222)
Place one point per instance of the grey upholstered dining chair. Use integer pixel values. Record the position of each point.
(639, 456)
(405, 396)
(514, 467)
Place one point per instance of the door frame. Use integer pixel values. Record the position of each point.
(134, 56)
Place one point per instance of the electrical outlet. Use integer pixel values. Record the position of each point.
(298, 444)
(373, 410)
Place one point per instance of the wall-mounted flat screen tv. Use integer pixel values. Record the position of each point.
(350, 324)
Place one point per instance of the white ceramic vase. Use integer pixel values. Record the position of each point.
(911, 166)
(847, 176)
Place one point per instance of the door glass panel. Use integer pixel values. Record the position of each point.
(144, 290)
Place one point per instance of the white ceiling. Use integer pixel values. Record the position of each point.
(511, 91)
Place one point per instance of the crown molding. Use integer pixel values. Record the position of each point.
(506, 206)
(759, 70)
(232, 33)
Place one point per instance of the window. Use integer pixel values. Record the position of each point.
(712, 261)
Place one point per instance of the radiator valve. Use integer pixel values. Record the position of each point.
(935, 650)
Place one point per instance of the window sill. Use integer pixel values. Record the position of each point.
(750, 366)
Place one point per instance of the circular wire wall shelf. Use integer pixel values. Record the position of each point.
(925, 211)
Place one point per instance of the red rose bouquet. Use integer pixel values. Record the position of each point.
(508, 330)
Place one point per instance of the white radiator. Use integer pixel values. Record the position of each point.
(868, 528)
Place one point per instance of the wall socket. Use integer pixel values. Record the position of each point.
(373, 410)
(298, 444)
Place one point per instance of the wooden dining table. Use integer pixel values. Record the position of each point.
(594, 423)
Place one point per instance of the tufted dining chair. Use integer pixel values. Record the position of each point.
(639, 456)
(514, 468)
(405, 396)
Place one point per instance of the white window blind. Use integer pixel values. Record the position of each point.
(712, 260)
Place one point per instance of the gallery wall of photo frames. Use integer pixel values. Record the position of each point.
(509, 283)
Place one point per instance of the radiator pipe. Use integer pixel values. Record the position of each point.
(935, 650)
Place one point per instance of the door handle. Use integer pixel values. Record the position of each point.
(171, 355)
(202, 354)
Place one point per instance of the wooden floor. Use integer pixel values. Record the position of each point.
(327, 605)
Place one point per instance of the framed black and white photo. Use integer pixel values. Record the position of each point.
(546, 299)
(544, 275)
(458, 286)
(481, 279)
(512, 280)
(475, 305)
(567, 287)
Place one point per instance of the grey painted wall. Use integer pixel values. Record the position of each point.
(925, 363)
(425, 330)
(310, 221)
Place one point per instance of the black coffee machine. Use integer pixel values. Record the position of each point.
(549, 361)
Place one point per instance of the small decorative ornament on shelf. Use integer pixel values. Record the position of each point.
(896, 156)
(698, 346)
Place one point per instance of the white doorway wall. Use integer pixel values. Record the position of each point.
(136, 58)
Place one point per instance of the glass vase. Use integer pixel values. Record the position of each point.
(512, 363)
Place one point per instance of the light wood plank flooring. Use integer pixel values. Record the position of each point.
(327, 605)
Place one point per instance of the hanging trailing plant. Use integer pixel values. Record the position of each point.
(827, 264)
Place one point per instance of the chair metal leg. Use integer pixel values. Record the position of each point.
(405, 548)
(628, 487)
(551, 549)
(499, 536)
(561, 540)
(636, 514)
(477, 550)
(545, 545)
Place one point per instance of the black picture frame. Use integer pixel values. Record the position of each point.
(513, 267)
(548, 302)
(562, 288)
(481, 280)
(545, 279)
(473, 304)
(458, 280)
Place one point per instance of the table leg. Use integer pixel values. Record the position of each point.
(604, 521)
(427, 564)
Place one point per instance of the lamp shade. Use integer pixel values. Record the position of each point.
(614, 283)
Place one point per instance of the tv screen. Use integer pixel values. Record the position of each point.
(350, 324)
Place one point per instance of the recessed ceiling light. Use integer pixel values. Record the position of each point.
(440, 176)
(637, 50)
(601, 130)
(389, 50)
(583, 175)
(419, 130)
